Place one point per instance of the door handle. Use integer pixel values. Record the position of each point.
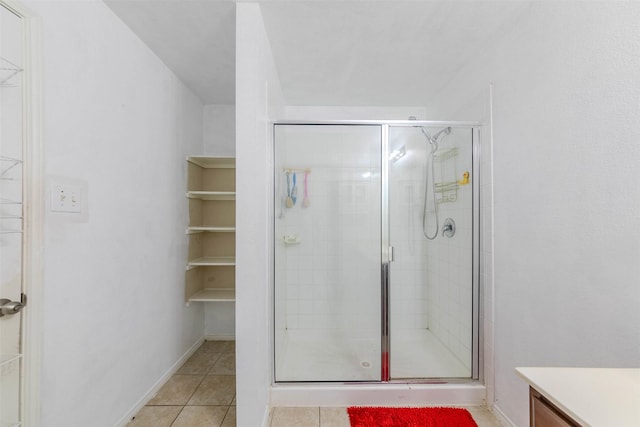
(8, 307)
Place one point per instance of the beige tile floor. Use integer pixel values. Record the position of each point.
(202, 393)
(338, 417)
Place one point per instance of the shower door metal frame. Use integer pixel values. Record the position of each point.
(385, 251)
(477, 371)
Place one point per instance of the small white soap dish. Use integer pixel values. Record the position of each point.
(291, 239)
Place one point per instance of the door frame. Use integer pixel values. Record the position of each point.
(33, 212)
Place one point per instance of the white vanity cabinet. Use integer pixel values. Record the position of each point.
(593, 397)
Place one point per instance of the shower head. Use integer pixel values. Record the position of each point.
(433, 140)
(446, 131)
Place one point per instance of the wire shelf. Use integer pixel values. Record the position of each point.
(5, 201)
(3, 216)
(7, 164)
(10, 231)
(8, 70)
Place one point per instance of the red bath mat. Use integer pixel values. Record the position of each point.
(410, 417)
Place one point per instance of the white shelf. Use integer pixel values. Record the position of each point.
(208, 162)
(193, 230)
(206, 295)
(211, 262)
(212, 195)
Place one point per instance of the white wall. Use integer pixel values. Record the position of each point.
(258, 100)
(219, 133)
(219, 136)
(219, 320)
(566, 104)
(118, 121)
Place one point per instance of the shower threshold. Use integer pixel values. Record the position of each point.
(471, 393)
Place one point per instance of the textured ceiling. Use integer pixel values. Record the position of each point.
(350, 52)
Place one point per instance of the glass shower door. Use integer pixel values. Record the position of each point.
(432, 275)
(327, 214)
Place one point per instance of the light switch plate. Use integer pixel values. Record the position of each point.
(66, 198)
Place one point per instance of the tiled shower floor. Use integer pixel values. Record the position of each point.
(201, 393)
(418, 353)
(320, 356)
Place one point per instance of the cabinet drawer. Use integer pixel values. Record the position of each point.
(544, 414)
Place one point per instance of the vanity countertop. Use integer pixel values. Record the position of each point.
(597, 397)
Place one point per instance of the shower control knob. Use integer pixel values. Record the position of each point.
(449, 227)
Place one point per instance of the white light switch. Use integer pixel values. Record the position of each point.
(66, 198)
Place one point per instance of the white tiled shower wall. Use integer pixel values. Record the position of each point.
(444, 265)
(408, 272)
(332, 274)
(449, 260)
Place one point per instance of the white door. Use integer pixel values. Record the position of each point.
(12, 224)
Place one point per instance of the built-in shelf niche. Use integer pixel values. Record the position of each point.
(212, 215)
(209, 283)
(210, 275)
(212, 246)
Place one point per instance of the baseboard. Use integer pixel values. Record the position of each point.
(266, 420)
(504, 420)
(158, 385)
(220, 337)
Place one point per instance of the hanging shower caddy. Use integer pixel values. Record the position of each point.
(445, 169)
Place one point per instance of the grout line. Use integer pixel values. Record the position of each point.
(217, 356)
(177, 416)
(226, 413)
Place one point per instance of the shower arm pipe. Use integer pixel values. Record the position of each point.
(407, 123)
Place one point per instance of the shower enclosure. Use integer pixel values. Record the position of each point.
(376, 244)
